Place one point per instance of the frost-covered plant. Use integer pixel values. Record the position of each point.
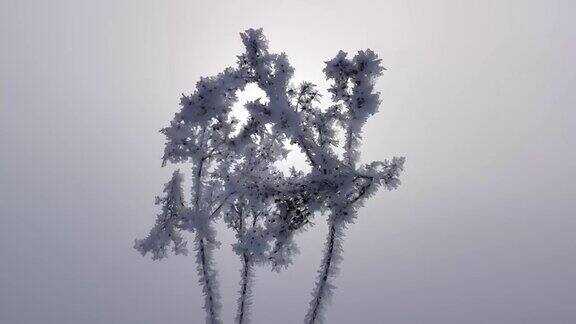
(234, 174)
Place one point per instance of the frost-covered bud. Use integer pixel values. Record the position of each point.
(254, 242)
(256, 59)
(391, 173)
(364, 101)
(283, 252)
(367, 64)
(166, 232)
(283, 72)
(339, 70)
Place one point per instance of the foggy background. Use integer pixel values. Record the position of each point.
(479, 97)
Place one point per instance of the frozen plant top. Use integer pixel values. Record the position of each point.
(233, 165)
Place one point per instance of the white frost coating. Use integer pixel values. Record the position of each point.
(234, 177)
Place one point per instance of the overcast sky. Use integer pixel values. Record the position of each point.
(479, 96)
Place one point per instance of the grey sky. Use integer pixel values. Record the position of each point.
(479, 97)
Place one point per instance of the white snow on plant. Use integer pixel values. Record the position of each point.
(234, 160)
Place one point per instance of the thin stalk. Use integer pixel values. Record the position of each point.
(244, 301)
(206, 272)
(207, 277)
(328, 269)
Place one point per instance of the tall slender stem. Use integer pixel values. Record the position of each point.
(204, 262)
(326, 272)
(245, 290)
(206, 276)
